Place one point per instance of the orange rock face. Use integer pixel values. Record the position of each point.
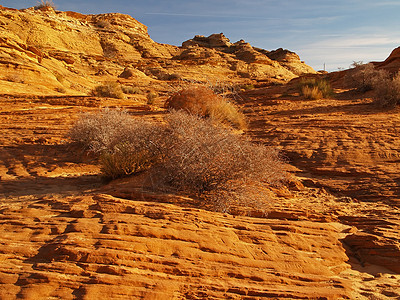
(331, 233)
(66, 234)
(50, 52)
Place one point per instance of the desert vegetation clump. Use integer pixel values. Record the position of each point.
(103, 24)
(109, 89)
(45, 4)
(187, 153)
(203, 101)
(125, 146)
(133, 90)
(203, 157)
(387, 91)
(314, 89)
(366, 77)
(151, 97)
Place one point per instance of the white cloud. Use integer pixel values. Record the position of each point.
(355, 41)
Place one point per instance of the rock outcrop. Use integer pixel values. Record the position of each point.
(248, 61)
(392, 63)
(47, 51)
(65, 234)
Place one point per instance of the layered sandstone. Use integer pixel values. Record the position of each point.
(54, 52)
(331, 233)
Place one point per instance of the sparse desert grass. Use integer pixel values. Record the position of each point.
(134, 90)
(187, 153)
(314, 89)
(109, 89)
(203, 101)
(45, 4)
(151, 97)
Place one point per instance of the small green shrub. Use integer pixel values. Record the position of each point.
(127, 158)
(312, 88)
(109, 89)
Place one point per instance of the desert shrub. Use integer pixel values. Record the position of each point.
(203, 101)
(151, 97)
(60, 89)
(99, 131)
(387, 91)
(125, 145)
(248, 87)
(131, 90)
(187, 153)
(109, 89)
(45, 4)
(202, 157)
(103, 24)
(141, 148)
(364, 76)
(312, 88)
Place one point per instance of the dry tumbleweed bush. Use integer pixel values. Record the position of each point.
(215, 164)
(187, 154)
(203, 101)
(125, 145)
(365, 77)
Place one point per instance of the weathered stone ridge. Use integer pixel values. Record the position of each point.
(48, 51)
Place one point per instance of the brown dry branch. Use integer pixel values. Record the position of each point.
(209, 161)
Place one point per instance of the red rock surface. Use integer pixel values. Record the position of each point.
(332, 233)
(65, 234)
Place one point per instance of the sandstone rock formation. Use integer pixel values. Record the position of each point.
(392, 63)
(331, 233)
(54, 52)
(249, 61)
(66, 234)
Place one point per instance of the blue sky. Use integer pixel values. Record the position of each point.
(320, 31)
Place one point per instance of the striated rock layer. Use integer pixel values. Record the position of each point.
(333, 233)
(66, 234)
(54, 52)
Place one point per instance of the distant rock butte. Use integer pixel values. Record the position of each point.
(48, 52)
